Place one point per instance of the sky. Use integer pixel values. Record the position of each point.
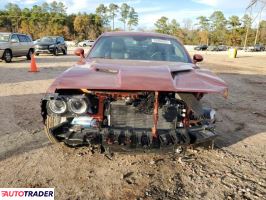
(151, 10)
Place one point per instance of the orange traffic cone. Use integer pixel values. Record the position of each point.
(33, 66)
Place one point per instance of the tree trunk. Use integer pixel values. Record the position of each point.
(256, 38)
(113, 22)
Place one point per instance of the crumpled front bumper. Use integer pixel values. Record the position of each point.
(127, 139)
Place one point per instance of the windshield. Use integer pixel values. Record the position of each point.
(47, 40)
(139, 48)
(4, 37)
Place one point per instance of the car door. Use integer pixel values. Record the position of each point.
(63, 43)
(30, 43)
(58, 44)
(23, 44)
(15, 45)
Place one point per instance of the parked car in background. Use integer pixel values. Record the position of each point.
(51, 45)
(71, 43)
(36, 41)
(85, 43)
(201, 47)
(213, 48)
(249, 49)
(222, 48)
(259, 47)
(15, 45)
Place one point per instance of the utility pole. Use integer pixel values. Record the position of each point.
(248, 26)
(258, 28)
(250, 6)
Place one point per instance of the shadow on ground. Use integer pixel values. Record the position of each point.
(21, 125)
(242, 115)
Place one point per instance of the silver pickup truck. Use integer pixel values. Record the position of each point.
(15, 45)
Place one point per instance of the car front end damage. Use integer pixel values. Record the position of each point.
(115, 107)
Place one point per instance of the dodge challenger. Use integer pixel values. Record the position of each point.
(132, 91)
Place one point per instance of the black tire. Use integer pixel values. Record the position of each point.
(50, 122)
(56, 52)
(64, 51)
(7, 56)
(36, 54)
(29, 54)
(84, 45)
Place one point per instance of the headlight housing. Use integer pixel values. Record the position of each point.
(68, 105)
(77, 105)
(51, 46)
(57, 106)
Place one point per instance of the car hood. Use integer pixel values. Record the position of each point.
(106, 74)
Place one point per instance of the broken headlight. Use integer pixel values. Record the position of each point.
(57, 106)
(77, 105)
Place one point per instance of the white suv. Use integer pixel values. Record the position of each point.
(86, 43)
(15, 45)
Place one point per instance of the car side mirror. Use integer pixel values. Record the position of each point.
(80, 52)
(14, 41)
(197, 58)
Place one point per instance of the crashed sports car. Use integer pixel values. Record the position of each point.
(132, 91)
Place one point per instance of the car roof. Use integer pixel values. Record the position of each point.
(125, 33)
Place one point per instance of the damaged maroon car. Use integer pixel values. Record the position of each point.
(132, 91)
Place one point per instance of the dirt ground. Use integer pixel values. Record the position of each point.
(235, 169)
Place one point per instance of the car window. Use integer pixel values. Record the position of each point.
(60, 40)
(47, 40)
(22, 38)
(14, 37)
(28, 38)
(139, 48)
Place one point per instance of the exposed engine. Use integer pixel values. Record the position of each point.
(129, 120)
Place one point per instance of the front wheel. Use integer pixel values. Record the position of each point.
(29, 54)
(56, 52)
(64, 51)
(50, 122)
(7, 57)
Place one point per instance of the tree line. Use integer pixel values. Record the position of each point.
(127, 15)
(215, 29)
(52, 19)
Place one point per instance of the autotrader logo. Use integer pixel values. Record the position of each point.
(27, 193)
